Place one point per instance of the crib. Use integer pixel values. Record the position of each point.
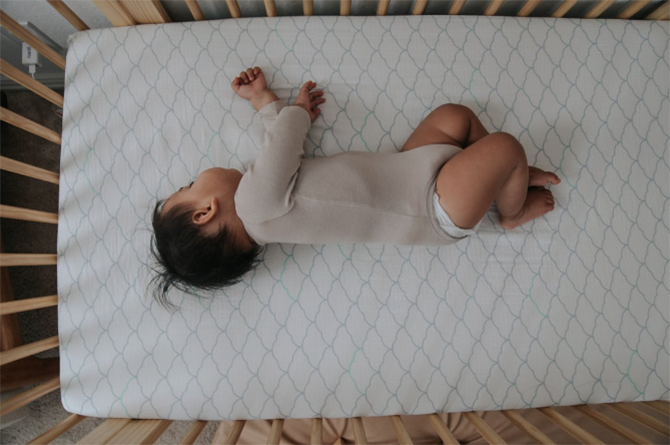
(122, 13)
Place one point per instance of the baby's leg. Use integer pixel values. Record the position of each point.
(492, 169)
(452, 124)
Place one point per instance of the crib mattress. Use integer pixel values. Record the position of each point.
(570, 308)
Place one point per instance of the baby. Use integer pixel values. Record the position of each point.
(210, 233)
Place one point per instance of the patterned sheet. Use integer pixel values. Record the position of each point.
(570, 308)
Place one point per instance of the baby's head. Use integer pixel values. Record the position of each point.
(199, 241)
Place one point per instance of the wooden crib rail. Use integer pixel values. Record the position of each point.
(28, 304)
(26, 124)
(134, 431)
(31, 171)
(28, 82)
(41, 47)
(134, 12)
(69, 15)
(604, 421)
(24, 214)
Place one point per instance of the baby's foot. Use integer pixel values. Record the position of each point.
(538, 202)
(537, 177)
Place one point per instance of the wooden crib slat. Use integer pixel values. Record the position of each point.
(345, 7)
(661, 407)
(308, 7)
(10, 329)
(30, 126)
(270, 8)
(27, 259)
(103, 432)
(640, 417)
(233, 435)
(28, 304)
(55, 431)
(456, 7)
(527, 427)
(21, 168)
(383, 7)
(528, 8)
(275, 432)
(30, 38)
(610, 424)
(68, 14)
(633, 9)
(234, 9)
(316, 435)
(660, 13)
(442, 430)
(484, 429)
(598, 9)
(563, 8)
(115, 12)
(20, 213)
(23, 351)
(570, 427)
(493, 7)
(400, 431)
(419, 7)
(26, 397)
(360, 438)
(146, 11)
(143, 432)
(18, 76)
(193, 432)
(194, 7)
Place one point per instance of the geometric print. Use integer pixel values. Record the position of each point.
(570, 308)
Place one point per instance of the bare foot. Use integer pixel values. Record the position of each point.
(537, 177)
(538, 202)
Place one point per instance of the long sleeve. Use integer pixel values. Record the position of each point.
(265, 190)
(269, 113)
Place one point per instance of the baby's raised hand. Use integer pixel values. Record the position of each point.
(249, 83)
(310, 100)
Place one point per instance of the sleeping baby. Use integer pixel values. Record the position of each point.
(210, 233)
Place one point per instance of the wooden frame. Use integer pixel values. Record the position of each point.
(132, 12)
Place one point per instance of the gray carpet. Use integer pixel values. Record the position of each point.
(27, 282)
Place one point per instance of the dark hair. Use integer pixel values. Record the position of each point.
(190, 259)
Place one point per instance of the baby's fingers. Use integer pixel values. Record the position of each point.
(308, 85)
(250, 73)
(244, 76)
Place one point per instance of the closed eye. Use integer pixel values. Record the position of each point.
(189, 186)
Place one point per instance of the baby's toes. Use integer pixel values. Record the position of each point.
(551, 199)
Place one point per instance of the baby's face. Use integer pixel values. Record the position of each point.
(215, 182)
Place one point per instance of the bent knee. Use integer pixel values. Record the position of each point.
(507, 142)
(454, 109)
(502, 147)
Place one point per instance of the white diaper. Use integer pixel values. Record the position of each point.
(447, 224)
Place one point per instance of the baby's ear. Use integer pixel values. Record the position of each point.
(205, 214)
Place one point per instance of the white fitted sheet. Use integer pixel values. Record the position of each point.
(570, 308)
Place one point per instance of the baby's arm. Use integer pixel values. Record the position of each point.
(251, 85)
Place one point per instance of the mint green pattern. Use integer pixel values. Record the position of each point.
(570, 308)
